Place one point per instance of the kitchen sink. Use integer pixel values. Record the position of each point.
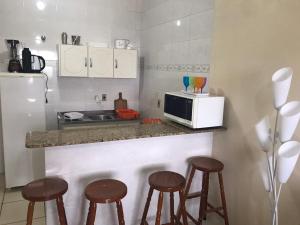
(92, 118)
(102, 117)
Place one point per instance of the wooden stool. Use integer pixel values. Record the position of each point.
(166, 181)
(207, 166)
(105, 191)
(44, 190)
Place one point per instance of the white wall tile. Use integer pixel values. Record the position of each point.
(198, 6)
(201, 25)
(181, 30)
(176, 33)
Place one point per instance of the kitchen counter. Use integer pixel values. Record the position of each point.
(129, 153)
(53, 138)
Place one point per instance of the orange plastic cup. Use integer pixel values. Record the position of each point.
(200, 83)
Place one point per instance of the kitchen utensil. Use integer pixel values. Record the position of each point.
(32, 63)
(38, 63)
(192, 82)
(127, 114)
(14, 64)
(151, 121)
(26, 60)
(121, 43)
(73, 116)
(75, 40)
(200, 83)
(120, 103)
(64, 38)
(186, 82)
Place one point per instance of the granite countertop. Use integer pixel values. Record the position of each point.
(41, 139)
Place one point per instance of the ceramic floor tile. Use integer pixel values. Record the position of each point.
(13, 195)
(40, 221)
(16, 212)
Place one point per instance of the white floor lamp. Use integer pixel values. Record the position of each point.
(281, 153)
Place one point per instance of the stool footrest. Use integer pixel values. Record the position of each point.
(194, 195)
(215, 209)
(177, 221)
(192, 218)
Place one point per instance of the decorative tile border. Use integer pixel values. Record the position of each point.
(195, 68)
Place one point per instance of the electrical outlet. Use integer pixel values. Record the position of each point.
(104, 97)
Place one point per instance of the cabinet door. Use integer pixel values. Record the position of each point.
(125, 63)
(73, 61)
(101, 62)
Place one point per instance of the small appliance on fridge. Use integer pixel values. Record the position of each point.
(14, 64)
(32, 63)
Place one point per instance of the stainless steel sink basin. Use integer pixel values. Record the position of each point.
(102, 117)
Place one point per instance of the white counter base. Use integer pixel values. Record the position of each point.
(130, 161)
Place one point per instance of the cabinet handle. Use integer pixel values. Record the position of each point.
(91, 62)
(85, 62)
(116, 64)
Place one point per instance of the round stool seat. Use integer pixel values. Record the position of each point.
(44, 189)
(207, 164)
(167, 181)
(105, 191)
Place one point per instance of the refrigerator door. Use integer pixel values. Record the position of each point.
(22, 110)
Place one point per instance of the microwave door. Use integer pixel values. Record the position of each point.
(179, 106)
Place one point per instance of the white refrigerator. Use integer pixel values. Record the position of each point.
(22, 110)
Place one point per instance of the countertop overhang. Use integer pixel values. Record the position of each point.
(52, 138)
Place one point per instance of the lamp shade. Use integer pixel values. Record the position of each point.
(289, 116)
(263, 170)
(263, 132)
(288, 154)
(281, 80)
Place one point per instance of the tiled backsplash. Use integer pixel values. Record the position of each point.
(194, 68)
(175, 40)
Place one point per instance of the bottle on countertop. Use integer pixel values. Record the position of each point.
(26, 60)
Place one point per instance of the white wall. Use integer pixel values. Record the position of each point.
(95, 21)
(175, 39)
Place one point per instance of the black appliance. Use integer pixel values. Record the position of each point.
(32, 63)
(179, 106)
(14, 64)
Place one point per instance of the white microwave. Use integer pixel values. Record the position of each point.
(194, 111)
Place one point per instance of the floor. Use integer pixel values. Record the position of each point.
(13, 209)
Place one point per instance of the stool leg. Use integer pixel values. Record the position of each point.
(182, 207)
(172, 219)
(159, 208)
(189, 183)
(120, 213)
(204, 194)
(92, 214)
(147, 206)
(187, 188)
(30, 213)
(223, 198)
(61, 211)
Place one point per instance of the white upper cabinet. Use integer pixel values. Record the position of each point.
(100, 62)
(83, 61)
(73, 61)
(125, 63)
